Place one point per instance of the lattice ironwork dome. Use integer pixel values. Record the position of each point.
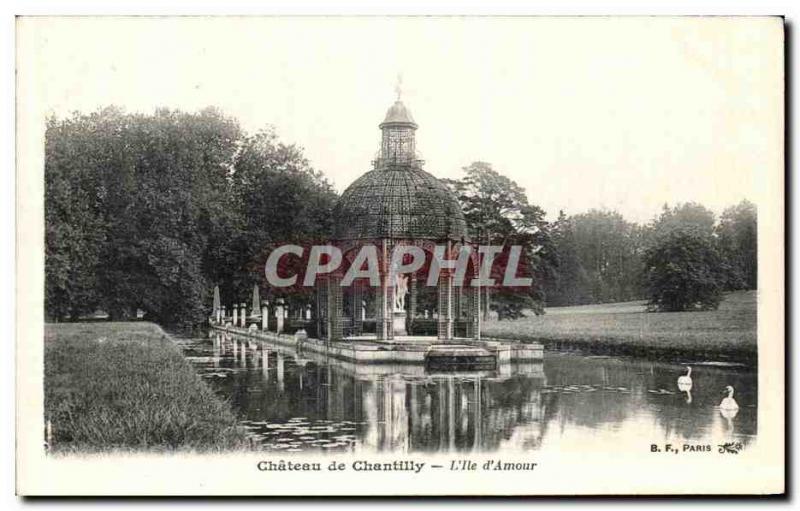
(403, 202)
(398, 199)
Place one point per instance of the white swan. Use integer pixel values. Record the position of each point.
(686, 379)
(685, 384)
(729, 404)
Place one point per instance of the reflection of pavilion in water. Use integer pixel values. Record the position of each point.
(444, 413)
(396, 407)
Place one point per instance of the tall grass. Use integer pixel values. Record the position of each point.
(111, 386)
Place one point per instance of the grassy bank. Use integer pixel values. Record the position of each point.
(127, 386)
(728, 333)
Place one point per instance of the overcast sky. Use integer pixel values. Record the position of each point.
(585, 113)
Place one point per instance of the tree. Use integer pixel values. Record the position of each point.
(166, 197)
(282, 199)
(152, 211)
(737, 233)
(599, 259)
(570, 283)
(689, 215)
(497, 212)
(609, 250)
(684, 271)
(75, 227)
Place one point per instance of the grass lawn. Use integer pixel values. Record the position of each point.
(126, 386)
(728, 333)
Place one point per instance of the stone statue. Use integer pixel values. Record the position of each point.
(400, 291)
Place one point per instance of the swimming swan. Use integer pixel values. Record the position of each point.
(729, 404)
(685, 384)
(686, 379)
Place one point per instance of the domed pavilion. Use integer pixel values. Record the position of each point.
(398, 203)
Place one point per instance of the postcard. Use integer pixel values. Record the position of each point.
(408, 256)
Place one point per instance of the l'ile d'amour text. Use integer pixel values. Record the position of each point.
(392, 466)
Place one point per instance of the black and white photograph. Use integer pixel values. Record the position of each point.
(400, 255)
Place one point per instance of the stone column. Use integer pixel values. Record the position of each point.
(357, 309)
(224, 314)
(322, 304)
(473, 307)
(384, 298)
(235, 315)
(243, 318)
(264, 317)
(472, 302)
(335, 308)
(308, 312)
(381, 325)
(389, 315)
(475, 317)
(445, 305)
(412, 304)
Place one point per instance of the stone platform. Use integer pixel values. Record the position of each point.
(406, 349)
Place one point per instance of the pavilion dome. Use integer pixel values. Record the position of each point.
(399, 203)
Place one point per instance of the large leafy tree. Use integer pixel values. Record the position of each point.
(75, 226)
(609, 249)
(282, 199)
(497, 212)
(151, 211)
(737, 233)
(733, 237)
(684, 271)
(599, 259)
(166, 207)
(570, 284)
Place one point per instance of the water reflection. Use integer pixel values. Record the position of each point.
(293, 401)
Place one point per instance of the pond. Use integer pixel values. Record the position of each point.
(300, 402)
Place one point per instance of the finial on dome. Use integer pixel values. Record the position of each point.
(398, 88)
(398, 114)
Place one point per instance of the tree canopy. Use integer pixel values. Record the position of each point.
(497, 212)
(149, 212)
(599, 259)
(684, 271)
(738, 242)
